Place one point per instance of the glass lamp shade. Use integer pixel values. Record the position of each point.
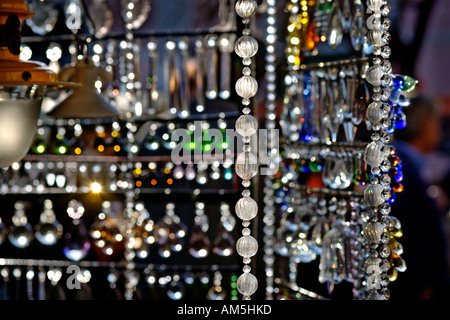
(20, 108)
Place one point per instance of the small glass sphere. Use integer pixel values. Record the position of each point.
(246, 87)
(247, 284)
(246, 269)
(375, 37)
(374, 75)
(373, 113)
(246, 110)
(246, 232)
(372, 194)
(246, 125)
(373, 154)
(372, 232)
(246, 208)
(245, 8)
(247, 246)
(246, 47)
(246, 165)
(246, 71)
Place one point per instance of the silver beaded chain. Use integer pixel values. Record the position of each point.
(246, 165)
(377, 193)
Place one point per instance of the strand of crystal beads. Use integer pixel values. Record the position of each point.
(377, 193)
(246, 165)
(269, 207)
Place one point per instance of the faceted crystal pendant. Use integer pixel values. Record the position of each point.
(49, 230)
(335, 29)
(246, 125)
(247, 246)
(224, 243)
(246, 208)
(357, 29)
(21, 232)
(77, 242)
(246, 165)
(246, 47)
(372, 194)
(246, 87)
(373, 154)
(245, 8)
(374, 75)
(409, 84)
(247, 284)
(199, 243)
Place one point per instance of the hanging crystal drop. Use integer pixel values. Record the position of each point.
(247, 246)
(21, 232)
(335, 30)
(358, 28)
(246, 165)
(245, 8)
(49, 230)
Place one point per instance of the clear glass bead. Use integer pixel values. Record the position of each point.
(246, 47)
(246, 87)
(373, 155)
(375, 37)
(372, 232)
(385, 251)
(385, 209)
(374, 75)
(246, 125)
(246, 165)
(247, 284)
(245, 8)
(246, 71)
(373, 112)
(246, 208)
(247, 246)
(372, 194)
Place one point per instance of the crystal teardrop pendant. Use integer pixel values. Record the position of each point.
(49, 230)
(335, 30)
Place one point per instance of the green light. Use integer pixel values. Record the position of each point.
(192, 145)
(62, 150)
(207, 147)
(224, 145)
(40, 148)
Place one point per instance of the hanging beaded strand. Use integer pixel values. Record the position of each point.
(246, 165)
(378, 192)
(269, 193)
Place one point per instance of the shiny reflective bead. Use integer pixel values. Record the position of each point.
(247, 284)
(373, 113)
(374, 75)
(375, 37)
(246, 165)
(246, 47)
(246, 87)
(246, 125)
(372, 194)
(372, 232)
(373, 155)
(245, 8)
(247, 246)
(246, 208)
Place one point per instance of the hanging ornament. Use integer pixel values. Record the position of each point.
(246, 165)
